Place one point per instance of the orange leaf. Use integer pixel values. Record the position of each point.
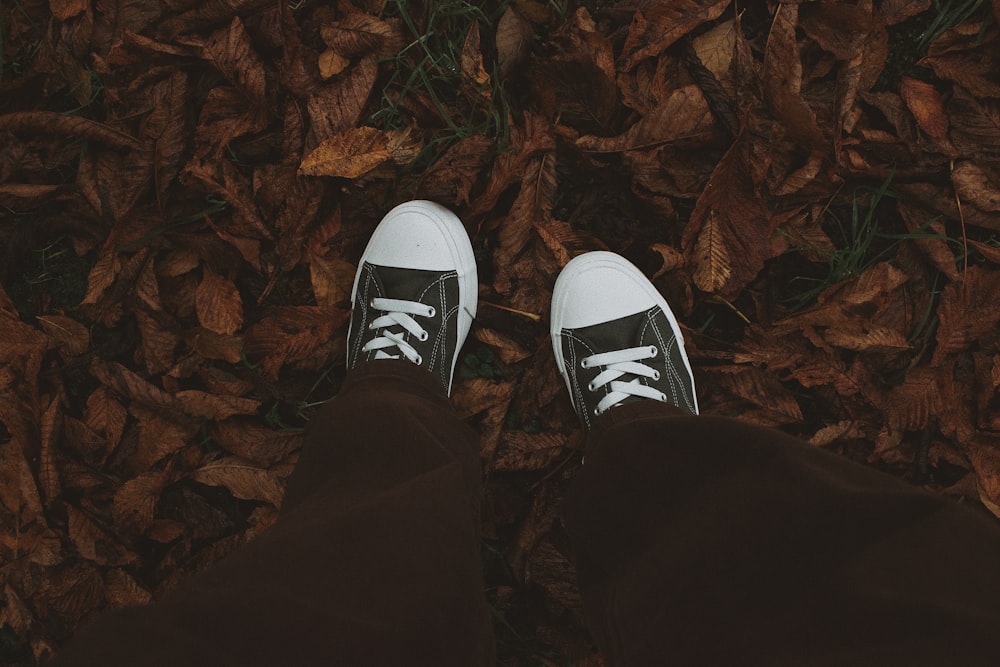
(72, 336)
(347, 154)
(655, 29)
(243, 480)
(215, 406)
(926, 105)
(220, 308)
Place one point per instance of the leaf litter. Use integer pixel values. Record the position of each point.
(185, 190)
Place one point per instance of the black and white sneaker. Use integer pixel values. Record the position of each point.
(615, 338)
(415, 292)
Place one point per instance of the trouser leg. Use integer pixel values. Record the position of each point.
(374, 560)
(704, 540)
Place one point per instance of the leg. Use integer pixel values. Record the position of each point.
(704, 540)
(374, 561)
(375, 557)
(715, 542)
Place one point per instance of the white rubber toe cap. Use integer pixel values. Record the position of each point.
(598, 287)
(421, 235)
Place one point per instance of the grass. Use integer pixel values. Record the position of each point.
(431, 64)
(862, 245)
(909, 41)
(26, 52)
(53, 271)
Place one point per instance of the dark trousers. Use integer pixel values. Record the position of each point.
(699, 540)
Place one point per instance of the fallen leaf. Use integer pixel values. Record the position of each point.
(978, 185)
(513, 40)
(220, 308)
(726, 239)
(654, 30)
(71, 336)
(927, 106)
(243, 480)
(332, 63)
(348, 154)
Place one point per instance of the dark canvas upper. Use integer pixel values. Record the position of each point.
(433, 288)
(650, 327)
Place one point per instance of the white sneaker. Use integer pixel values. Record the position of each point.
(415, 292)
(615, 338)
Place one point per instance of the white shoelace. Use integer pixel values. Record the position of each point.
(617, 364)
(397, 312)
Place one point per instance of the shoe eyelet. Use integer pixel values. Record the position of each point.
(656, 375)
(653, 351)
(583, 363)
(423, 336)
(371, 302)
(590, 386)
(663, 397)
(430, 311)
(419, 360)
(597, 412)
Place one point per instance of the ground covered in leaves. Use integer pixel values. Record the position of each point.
(185, 188)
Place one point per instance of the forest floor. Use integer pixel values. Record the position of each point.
(186, 187)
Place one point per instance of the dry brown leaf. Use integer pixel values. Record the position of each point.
(475, 79)
(50, 427)
(347, 154)
(71, 336)
(243, 480)
(159, 341)
(451, 178)
(214, 406)
(220, 308)
(136, 500)
(332, 63)
(760, 388)
(359, 34)
(975, 124)
(513, 40)
(655, 29)
(520, 452)
(966, 311)
(920, 223)
(254, 442)
(332, 279)
(67, 9)
(51, 122)
(978, 185)
(122, 590)
(926, 105)
(842, 430)
(106, 416)
(727, 238)
(672, 258)
(127, 383)
(897, 11)
(510, 352)
(230, 51)
(337, 106)
(683, 115)
(866, 339)
(782, 79)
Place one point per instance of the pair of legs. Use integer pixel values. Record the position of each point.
(699, 540)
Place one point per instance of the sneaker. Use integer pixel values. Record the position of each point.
(415, 291)
(615, 338)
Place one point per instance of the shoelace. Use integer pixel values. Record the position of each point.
(620, 363)
(397, 312)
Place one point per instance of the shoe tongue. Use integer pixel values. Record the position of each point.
(619, 334)
(405, 284)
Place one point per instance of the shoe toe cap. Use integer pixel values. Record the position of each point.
(598, 287)
(419, 235)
